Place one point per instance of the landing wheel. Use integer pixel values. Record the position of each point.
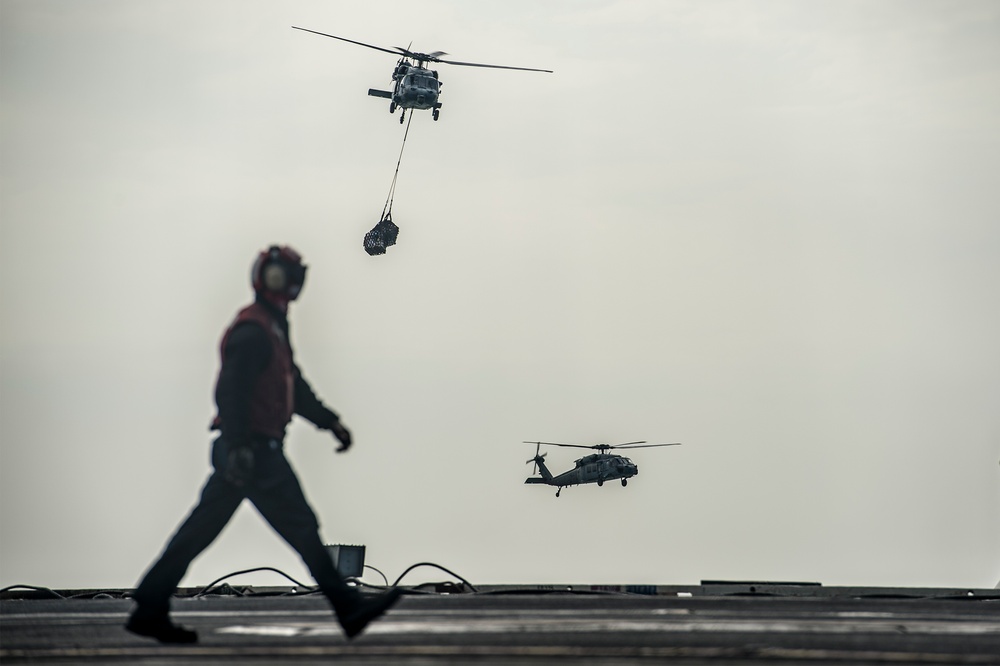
(600, 482)
(558, 491)
(624, 482)
(436, 113)
(392, 107)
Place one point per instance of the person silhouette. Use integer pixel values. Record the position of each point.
(259, 389)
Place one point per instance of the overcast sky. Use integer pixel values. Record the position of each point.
(769, 230)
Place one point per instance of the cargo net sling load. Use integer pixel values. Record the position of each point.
(383, 234)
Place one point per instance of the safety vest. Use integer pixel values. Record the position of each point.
(272, 401)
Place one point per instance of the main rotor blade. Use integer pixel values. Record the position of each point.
(644, 446)
(479, 64)
(428, 57)
(575, 446)
(344, 39)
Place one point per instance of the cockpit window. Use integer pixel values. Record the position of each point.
(420, 81)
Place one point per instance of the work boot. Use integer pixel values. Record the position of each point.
(362, 611)
(159, 626)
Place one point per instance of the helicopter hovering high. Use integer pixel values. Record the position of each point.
(594, 468)
(413, 85)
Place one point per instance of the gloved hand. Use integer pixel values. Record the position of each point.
(342, 434)
(239, 465)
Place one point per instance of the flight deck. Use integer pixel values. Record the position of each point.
(713, 623)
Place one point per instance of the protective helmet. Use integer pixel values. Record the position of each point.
(278, 270)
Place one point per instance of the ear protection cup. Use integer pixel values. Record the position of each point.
(275, 278)
(279, 270)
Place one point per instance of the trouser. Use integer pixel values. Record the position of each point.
(275, 491)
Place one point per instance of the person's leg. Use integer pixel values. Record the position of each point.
(280, 500)
(282, 503)
(219, 500)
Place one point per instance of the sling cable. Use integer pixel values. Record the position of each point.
(384, 233)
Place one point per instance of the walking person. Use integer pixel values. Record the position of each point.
(258, 390)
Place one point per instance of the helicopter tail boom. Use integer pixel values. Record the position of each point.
(546, 475)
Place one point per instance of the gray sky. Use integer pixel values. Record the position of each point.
(768, 230)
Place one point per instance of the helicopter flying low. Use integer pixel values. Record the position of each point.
(593, 468)
(415, 86)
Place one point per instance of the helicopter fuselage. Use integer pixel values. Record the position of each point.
(594, 468)
(413, 87)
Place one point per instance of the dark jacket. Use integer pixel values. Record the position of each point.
(259, 386)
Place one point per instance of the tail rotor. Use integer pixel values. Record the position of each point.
(538, 458)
